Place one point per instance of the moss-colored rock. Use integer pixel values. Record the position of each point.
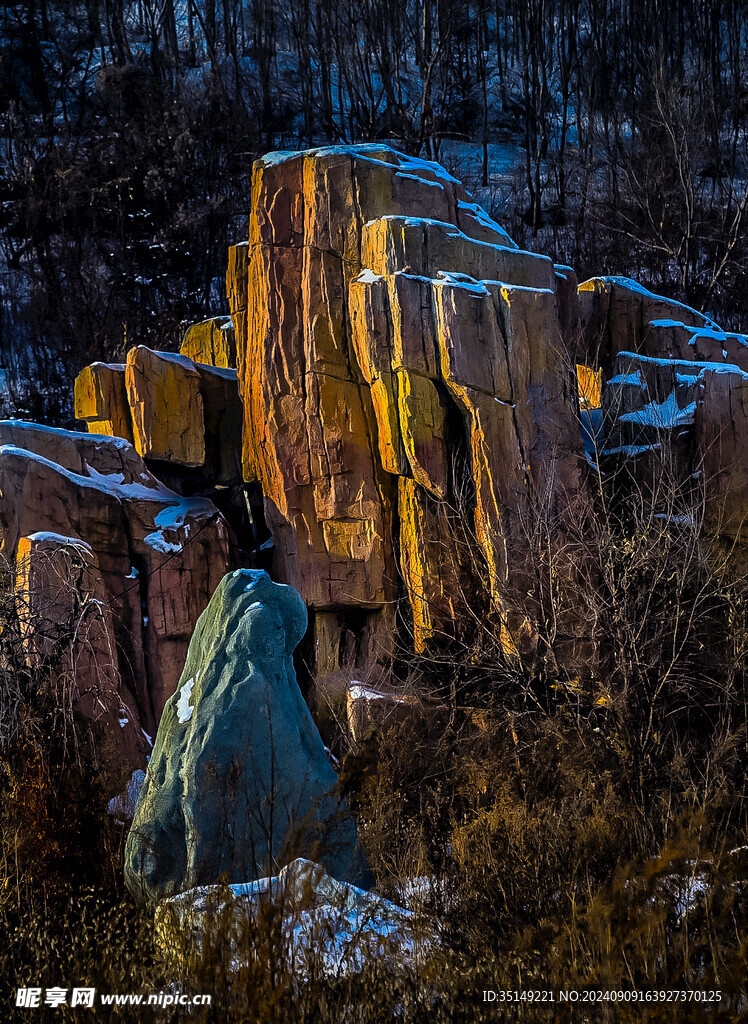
(239, 782)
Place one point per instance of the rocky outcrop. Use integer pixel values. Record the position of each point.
(101, 400)
(673, 405)
(689, 419)
(239, 780)
(163, 390)
(185, 413)
(721, 436)
(183, 416)
(146, 560)
(411, 390)
(388, 318)
(63, 606)
(211, 342)
(620, 315)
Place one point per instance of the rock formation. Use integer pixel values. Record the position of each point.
(239, 781)
(618, 314)
(184, 412)
(98, 541)
(395, 345)
(692, 416)
(101, 400)
(369, 710)
(211, 342)
(409, 407)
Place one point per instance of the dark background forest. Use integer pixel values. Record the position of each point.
(607, 133)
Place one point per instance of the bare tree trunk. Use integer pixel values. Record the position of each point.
(117, 34)
(191, 33)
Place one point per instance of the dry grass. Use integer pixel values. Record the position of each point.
(560, 837)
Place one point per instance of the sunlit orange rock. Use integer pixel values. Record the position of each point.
(589, 386)
(211, 342)
(185, 413)
(373, 348)
(429, 564)
(101, 400)
(163, 390)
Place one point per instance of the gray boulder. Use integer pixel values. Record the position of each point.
(239, 782)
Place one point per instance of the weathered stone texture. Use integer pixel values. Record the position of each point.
(62, 600)
(721, 438)
(428, 563)
(690, 419)
(389, 320)
(167, 406)
(617, 316)
(185, 413)
(101, 400)
(402, 367)
(239, 780)
(157, 556)
(211, 342)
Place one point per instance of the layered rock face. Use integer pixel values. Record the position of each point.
(185, 413)
(395, 351)
(104, 549)
(101, 400)
(620, 315)
(406, 403)
(239, 781)
(690, 418)
(176, 411)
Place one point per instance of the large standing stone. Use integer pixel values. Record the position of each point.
(354, 373)
(239, 782)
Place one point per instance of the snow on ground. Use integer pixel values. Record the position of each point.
(327, 925)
